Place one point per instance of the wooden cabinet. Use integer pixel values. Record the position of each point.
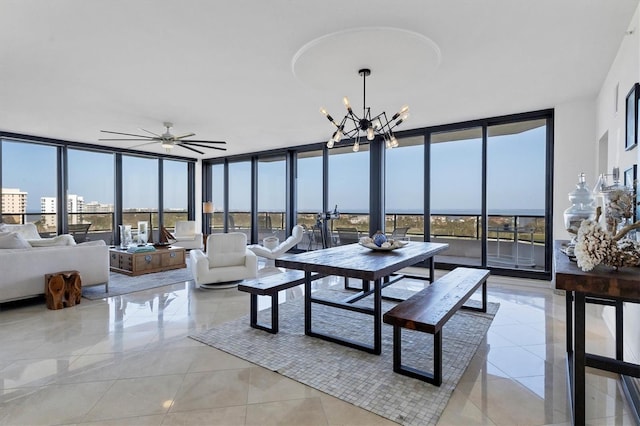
(162, 259)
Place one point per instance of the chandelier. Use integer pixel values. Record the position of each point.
(370, 127)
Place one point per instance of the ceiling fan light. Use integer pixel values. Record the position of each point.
(167, 145)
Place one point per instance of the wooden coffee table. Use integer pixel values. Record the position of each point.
(163, 259)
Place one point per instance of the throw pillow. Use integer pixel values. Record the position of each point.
(13, 240)
(59, 240)
(93, 243)
(28, 231)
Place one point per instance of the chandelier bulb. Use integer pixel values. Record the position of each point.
(345, 100)
(393, 141)
(387, 143)
(330, 143)
(403, 110)
(356, 146)
(370, 134)
(337, 135)
(376, 124)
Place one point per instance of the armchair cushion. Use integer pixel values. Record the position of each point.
(185, 229)
(186, 235)
(227, 259)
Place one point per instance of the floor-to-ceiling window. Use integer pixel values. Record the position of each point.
(456, 194)
(139, 191)
(239, 189)
(404, 189)
(90, 204)
(272, 186)
(309, 189)
(174, 196)
(217, 197)
(348, 193)
(460, 184)
(30, 185)
(516, 190)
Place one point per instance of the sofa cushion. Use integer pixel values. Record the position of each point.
(13, 240)
(28, 231)
(60, 240)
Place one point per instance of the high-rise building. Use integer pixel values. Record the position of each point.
(14, 205)
(48, 206)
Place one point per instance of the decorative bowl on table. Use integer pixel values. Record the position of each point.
(386, 245)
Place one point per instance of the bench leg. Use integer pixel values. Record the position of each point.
(484, 300)
(253, 322)
(434, 378)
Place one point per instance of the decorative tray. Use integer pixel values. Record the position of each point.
(395, 245)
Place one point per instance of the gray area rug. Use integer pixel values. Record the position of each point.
(124, 284)
(365, 380)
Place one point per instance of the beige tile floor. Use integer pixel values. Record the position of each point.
(128, 360)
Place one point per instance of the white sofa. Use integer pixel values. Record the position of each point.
(186, 235)
(22, 270)
(226, 261)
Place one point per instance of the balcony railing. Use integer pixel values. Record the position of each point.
(513, 241)
(102, 225)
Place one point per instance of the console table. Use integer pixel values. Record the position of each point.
(605, 286)
(163, 259)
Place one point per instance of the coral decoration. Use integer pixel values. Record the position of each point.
(596, 246)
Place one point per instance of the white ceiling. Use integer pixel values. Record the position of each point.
(255, 73)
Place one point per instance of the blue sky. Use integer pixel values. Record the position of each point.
(516, 177)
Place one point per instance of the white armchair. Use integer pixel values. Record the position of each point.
(272, 253)
(226, 261)
(186, 235)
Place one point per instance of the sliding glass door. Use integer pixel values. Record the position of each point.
(516, 155)
(456, 194)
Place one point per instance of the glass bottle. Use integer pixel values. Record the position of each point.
(582, 207)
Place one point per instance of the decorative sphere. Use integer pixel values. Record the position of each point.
(379, 238)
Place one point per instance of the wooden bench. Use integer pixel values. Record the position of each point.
(429, 310)
(271, 286)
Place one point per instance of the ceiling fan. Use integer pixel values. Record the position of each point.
(167, 140)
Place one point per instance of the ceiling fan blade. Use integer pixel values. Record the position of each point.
(193, 140)
(143, 144)
(201, 146)
(154, 134)
(126, 134)
(184, 136)
(149, 139)
(189, 148)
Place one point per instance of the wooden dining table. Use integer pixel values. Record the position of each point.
(356, 261)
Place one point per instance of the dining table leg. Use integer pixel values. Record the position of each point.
(377, 317)
(307, 302)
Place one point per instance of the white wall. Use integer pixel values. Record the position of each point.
(574, 152)
(624, 72)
